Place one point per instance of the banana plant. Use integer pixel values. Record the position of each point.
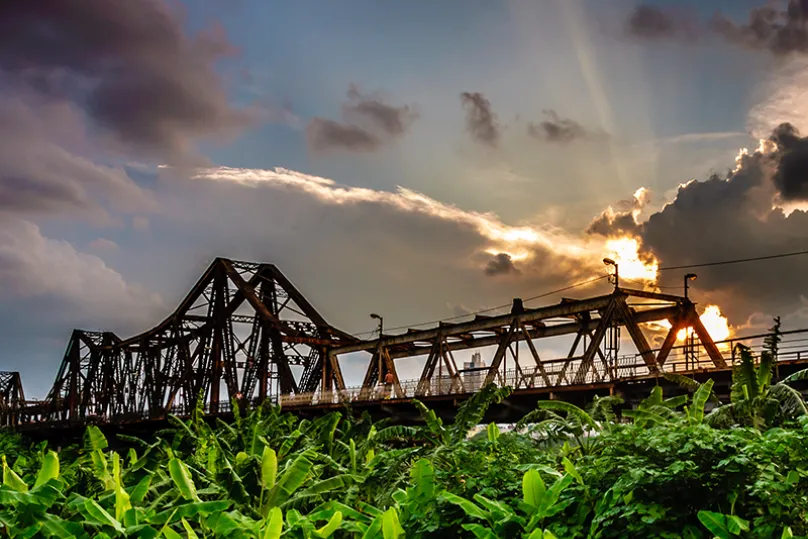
(500, 520)
(555, 429)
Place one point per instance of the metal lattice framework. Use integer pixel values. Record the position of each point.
(244, 333)
(239, 333)
(12, 398)
(595, 324)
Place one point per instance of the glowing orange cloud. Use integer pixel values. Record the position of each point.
(714, 322)
(631, 264)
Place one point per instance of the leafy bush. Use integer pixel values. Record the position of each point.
(664, 470)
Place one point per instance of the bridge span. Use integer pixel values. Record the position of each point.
(245, 334)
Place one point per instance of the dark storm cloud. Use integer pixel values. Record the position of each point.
(556, 129)
(726, 218)
(779, 31)
(481, 121)
(791, 178)
(621, 220)
(654, 22)
(614, 224)
(39, 173)
(139, 76)
(390, 120)
(323, 134)
(369, 124)
(500, 264)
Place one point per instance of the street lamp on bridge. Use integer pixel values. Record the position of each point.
(610, 262)
(381, 322)
(689, 277)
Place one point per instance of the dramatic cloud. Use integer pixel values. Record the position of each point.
(388, 119)
(40, 174)
(730, 218)
(781, 96)
(500, 264)
(514, 240)
(557, 129)
(481, 121)
(622, 220)
(369, 124)
(142, 80)
(791, 178)
(778, 31)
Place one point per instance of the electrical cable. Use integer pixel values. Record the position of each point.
(489, 309)
(737, 261)
(576, 285)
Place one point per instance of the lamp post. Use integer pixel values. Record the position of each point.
(689, 277)
(378, 354)
(381, 322)
(610, 262)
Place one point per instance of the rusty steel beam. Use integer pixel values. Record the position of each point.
(637, 336)
(650, 315)
(600, 332)
(195, 353)
(707, 341)
(502, 323)
(488, 324)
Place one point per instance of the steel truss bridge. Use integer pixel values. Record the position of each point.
(244, 334)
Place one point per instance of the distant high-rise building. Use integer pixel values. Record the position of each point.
(473, 379)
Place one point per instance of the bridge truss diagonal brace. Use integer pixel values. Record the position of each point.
(545, 378)
(249, 294)
(678, 323)
(587, 360)
(688, 317)
(439, 353)
(706, 340)
(380, 364)
(579, 335)
(647, 354)
(333, 371)
(502, 349)
(607, 369)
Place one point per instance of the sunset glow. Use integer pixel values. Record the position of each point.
(714, 322)
(632, 265)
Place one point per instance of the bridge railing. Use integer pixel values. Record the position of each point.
(683, 359)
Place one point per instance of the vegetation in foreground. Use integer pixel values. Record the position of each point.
(664, 469)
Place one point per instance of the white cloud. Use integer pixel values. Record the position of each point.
(521, 242)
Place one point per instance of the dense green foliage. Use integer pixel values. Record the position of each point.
(664, 469)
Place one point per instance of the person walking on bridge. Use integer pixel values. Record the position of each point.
(388, 384)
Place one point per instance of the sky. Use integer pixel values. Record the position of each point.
(417, 159)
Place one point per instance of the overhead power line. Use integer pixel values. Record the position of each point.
(737, 261)
(583, 283)
(489, 309)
